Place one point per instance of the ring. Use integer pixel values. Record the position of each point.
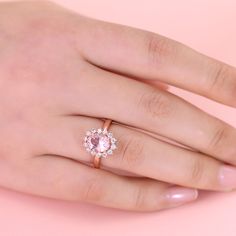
(100, 143)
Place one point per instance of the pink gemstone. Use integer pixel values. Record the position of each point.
(99, 142)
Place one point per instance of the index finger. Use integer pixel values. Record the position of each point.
(142, 54)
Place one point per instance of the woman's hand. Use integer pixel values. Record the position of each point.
(61, 73)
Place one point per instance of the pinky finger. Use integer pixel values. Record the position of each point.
(62, 178)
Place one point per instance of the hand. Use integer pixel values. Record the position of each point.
(61, 73)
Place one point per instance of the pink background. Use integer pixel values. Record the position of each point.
(206, 25)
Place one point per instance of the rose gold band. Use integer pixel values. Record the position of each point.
(97, 160)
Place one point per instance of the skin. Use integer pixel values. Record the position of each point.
(61, 73)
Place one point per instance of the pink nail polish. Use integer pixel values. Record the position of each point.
(227, 177)
(180, 195)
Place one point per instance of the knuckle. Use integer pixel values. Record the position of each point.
(217, 141)
(197, 171)
(132, 152)
(156, 104)
(218, 77)
(159, 48)
(140, 198)
(233, 89)
(93, 191)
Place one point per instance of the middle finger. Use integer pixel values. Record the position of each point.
(105, 94)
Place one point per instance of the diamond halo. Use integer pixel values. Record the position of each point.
(100, 142)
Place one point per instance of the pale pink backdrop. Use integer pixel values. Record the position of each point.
(207, 25)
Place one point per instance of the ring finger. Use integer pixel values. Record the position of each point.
(141, 154)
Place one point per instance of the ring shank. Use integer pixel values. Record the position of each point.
(97, 160)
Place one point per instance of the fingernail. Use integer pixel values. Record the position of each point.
(227, 177)
(179, 195)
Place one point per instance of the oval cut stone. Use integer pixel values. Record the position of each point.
(99, 142)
